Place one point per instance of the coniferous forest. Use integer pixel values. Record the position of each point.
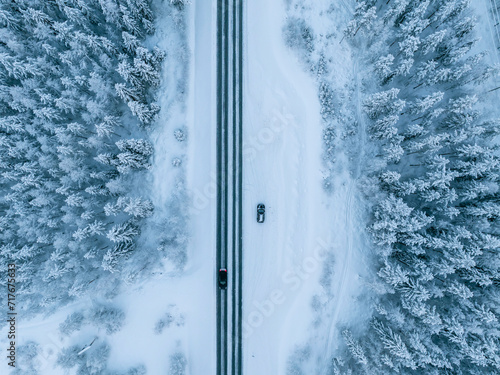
(435, 167)
(77, 95)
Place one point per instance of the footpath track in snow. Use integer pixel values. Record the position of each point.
(229, 183)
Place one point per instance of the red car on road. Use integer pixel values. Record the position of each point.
(223, 278)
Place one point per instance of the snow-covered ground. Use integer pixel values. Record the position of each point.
(488, 31)
(201, 184)
(305, 228)
(487, 28)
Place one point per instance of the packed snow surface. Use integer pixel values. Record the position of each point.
(304, 227)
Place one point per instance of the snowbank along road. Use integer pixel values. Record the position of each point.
(229, 178)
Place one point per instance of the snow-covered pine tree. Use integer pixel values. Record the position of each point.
(363, 18)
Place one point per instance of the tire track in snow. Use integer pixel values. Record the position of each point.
(339, 294)
(348, 221)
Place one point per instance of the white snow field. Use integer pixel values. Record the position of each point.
(304, 227)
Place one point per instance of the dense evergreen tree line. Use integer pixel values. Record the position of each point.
(76, 93)
(436, 226)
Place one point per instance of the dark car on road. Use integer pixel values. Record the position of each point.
(261, 213)
(223, 278)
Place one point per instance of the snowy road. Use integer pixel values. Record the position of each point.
(269, 151)
(229, 183)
